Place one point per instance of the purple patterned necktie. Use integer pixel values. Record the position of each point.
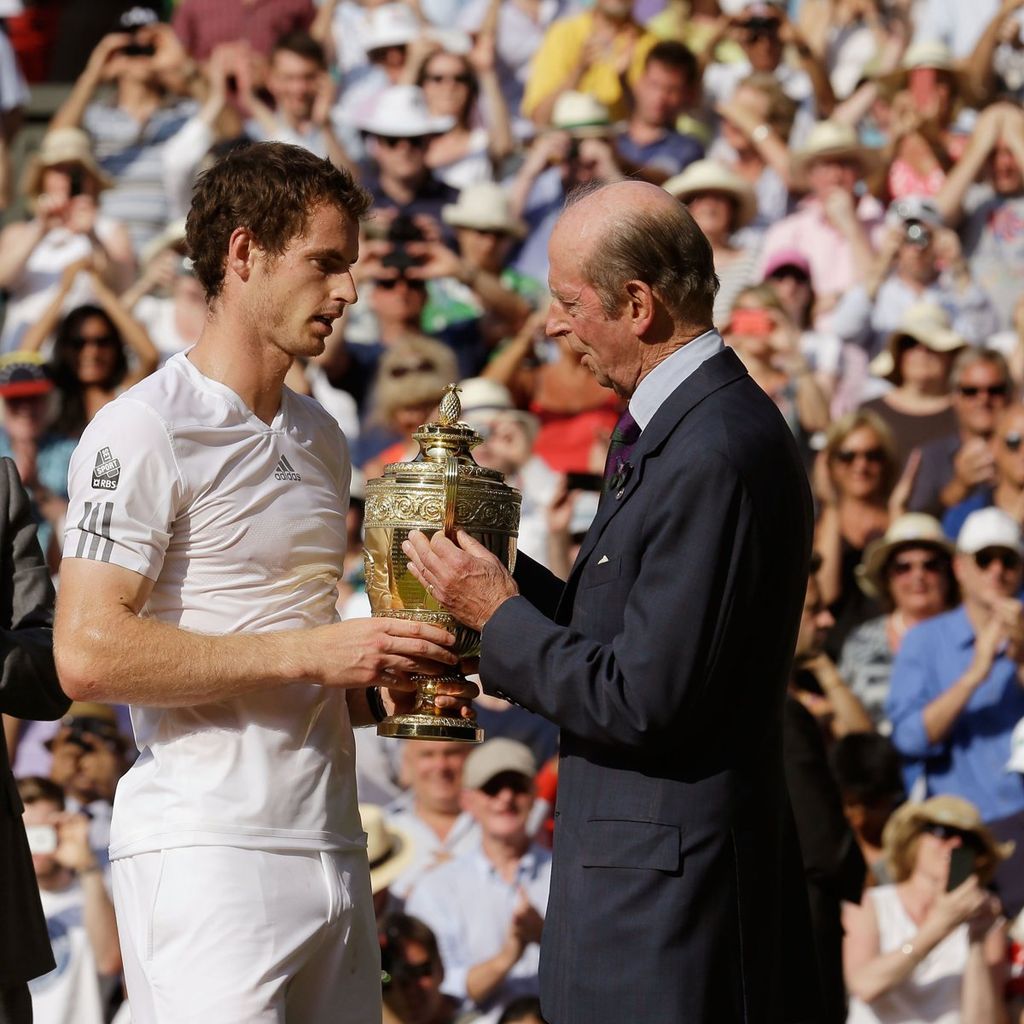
(623, 441)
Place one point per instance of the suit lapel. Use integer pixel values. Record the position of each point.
(712, 374)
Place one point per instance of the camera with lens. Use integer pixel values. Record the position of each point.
(132, 21)
(758, 26)
(402, 231)
(918, 234)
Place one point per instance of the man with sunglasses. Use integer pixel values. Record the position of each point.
(489, 937)
(963, 464)
(1005, 490)
(958, 689)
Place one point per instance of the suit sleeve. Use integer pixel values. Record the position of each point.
(628, 692)
(28, 679)
(541, 587)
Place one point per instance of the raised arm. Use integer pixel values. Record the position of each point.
(132, 332)
(97, 71)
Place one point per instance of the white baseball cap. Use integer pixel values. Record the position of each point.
(989, 528)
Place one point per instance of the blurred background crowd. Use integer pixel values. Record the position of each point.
(858, 167)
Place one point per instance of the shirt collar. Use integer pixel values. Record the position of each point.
(652, 391)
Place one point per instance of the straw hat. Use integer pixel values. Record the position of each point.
(63, 146)
(389, 849)
(909, 820)
(172, 236)
(400, 112)
(484, 206)
(834, 140)
(915, 529)
(581, 115)
(926, 323)
(414, 371)
(928, 53)
(711, 176)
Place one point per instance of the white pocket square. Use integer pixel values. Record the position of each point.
(602, 560)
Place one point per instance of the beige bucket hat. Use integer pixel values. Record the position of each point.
(711, 176)
(926, 323)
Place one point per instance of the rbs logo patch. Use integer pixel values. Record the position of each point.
(107, 470)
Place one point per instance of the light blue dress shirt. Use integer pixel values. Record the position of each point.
(655, 388)
(971, 761)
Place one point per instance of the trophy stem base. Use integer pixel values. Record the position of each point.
(427, 721)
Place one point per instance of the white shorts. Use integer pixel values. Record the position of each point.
(236, 936)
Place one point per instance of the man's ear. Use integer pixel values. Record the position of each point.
(641, 306)
(241, 254)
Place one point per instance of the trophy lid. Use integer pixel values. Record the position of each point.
(447, 435)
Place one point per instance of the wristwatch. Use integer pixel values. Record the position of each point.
(760, 133)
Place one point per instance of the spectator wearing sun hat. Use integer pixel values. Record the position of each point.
(42, 457)
(480, 285)
(398, 127)
(958, 687)
(833, 228)
(721, 203)
(918, 361)
(909, 572)
(390, 849)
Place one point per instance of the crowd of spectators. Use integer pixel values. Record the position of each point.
(858, 167)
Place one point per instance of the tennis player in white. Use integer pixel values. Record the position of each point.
(205, 537)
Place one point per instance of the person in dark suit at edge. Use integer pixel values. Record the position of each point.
(677, 894)
(28, 689)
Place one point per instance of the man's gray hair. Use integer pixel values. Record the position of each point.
(665, 250)
(970, 356)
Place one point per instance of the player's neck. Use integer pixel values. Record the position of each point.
(254, 370)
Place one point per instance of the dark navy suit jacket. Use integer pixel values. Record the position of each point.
(677, 894)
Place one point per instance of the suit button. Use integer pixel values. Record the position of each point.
(558, 814)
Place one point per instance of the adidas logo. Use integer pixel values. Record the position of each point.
(284, 470)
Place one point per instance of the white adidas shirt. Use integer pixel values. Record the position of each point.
(241, 525)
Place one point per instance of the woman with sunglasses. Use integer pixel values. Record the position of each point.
(853, 480)
(90, 363)
(909, 572)
(917, 360)
(481, 137)
(931, 947)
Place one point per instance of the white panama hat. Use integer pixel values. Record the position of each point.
(400, 112)
(711, 176)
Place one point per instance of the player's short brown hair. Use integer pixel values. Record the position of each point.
(270, 188)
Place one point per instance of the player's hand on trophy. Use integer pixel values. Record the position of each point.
(452, 697)
(363, 652)
(464, 577)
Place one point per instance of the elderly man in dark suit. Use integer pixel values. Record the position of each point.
(28, 689)
(677, 895)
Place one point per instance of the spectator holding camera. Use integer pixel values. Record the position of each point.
(919, 261)
(62, 186)
(146, 64)
(769, 345)
(79, 913)
(88, 759)
(931, 946)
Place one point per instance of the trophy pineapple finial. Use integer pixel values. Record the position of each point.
(451, 408)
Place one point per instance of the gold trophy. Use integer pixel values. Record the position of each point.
(441, 489)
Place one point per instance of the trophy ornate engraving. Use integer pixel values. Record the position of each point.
(441, 489)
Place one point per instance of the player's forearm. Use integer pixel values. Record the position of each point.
(131, 660)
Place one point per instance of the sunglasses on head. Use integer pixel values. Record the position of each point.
(901, 567)
(991, 391)
(848, 456)
(966, 837)
(1008, 559)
